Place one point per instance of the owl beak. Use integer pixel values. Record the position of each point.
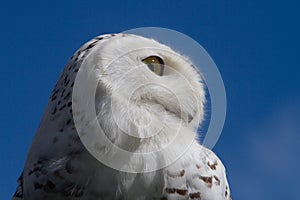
(187, 117)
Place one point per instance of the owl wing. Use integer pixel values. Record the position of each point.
(45, 175)
(198, 175)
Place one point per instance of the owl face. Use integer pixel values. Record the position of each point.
(145, 86)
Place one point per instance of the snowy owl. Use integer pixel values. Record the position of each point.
(148, 103)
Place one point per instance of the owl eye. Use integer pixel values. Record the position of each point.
(155, 64)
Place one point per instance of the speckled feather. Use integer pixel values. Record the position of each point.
(59, 167)
(52, 174)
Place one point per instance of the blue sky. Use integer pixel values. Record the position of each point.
(255, 44)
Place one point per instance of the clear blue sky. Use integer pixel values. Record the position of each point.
(255, 44)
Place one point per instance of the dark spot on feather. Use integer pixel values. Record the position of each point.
(195, 195)
(54, 111)
(53, 98)
(69, 121)
(213, 166)
(207, 180)
(182, 192)
(227, 192)
(62, 93)
(67, 82)
(67, 96)
(91, 45)
(182, 172)
(218, 180)
(170, 190)
(62, 107)
(50, 184)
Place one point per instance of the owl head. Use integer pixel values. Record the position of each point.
(144, 89)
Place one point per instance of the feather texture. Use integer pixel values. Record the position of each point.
(138, 111)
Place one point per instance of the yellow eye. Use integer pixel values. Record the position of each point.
(155, 64)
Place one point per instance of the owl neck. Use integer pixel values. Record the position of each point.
(143, 129)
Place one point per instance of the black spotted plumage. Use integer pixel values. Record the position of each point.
(60, 99)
